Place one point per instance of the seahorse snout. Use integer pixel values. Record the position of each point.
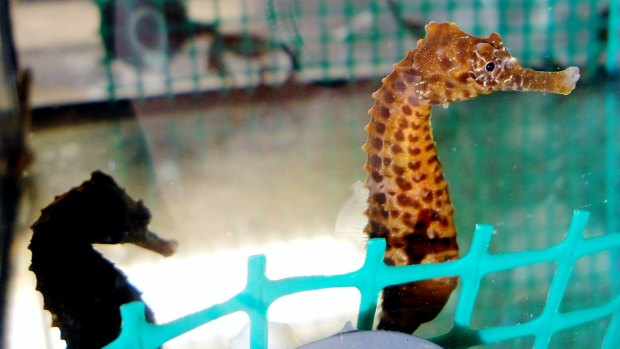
(561, 82)
(152, 242)
(571, 75)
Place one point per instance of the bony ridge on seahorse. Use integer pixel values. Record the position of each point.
(408, 201)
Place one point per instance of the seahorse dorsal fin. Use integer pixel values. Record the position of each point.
(351, 219)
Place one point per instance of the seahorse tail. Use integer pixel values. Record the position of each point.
(406, 307)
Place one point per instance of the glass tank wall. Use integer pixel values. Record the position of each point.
(240, 125)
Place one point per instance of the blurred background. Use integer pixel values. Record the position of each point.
(239, 123)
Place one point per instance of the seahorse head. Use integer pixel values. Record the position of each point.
(118, 218)
(450, 65)
(100, 212)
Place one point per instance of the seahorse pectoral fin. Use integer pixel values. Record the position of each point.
(152, 242)
(351, 219)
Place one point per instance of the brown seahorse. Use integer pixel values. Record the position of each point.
(81, 289)
(408, 202)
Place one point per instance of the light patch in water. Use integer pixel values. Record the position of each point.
(182, 285)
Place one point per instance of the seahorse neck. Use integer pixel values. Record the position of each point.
(49, 248)
(57, 235)
(408, 192)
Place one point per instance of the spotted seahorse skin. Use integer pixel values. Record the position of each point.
(409, 204)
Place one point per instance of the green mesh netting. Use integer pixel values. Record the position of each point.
(260, 292)
(157, 47)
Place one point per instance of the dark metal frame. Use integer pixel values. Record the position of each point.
(10, 137)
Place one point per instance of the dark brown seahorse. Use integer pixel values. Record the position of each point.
(408, 202)
(82, 289)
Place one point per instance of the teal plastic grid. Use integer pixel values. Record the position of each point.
(613, 43)
(332, 41)
(260, 292)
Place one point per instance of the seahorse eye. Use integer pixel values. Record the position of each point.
(490, 66)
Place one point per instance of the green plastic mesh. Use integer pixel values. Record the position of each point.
(155, 47)
(260, 292)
